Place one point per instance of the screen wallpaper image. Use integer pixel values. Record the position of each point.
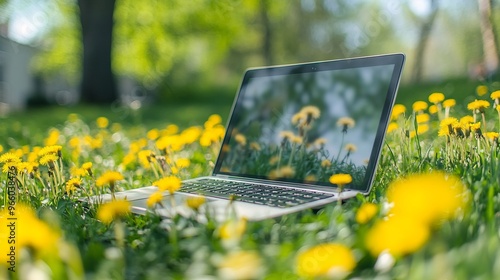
(307, 127)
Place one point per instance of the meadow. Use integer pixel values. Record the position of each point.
(432, 212)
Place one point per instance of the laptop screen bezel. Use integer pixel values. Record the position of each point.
(397, 60)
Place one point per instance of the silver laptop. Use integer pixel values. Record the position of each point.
(290, 129)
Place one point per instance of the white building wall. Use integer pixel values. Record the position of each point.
(16, 77)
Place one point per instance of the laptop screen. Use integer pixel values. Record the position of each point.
(304, 123)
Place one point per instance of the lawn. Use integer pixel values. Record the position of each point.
(432, 213)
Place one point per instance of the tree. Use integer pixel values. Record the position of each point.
(98, 81)
(490, 47)
(424, 33)
(267, 32)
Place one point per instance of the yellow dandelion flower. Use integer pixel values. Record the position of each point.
(311, 110)
(44, 240)
(95, 142)
(53, 149)
(191, 134)
(87, 165)
(419, 106)
(412, 134)
(460, 129)
(493, 136)
(182, 163)
(448, 103)
(273, 160)
(212, 135)
(173, 142)
(286, 172)
(153, 134)
(475, 126)
(74, 142)
(113, 210)
(366, 212)
(53, 137)
(340, 179)
(297, 140)
(170, 184)
(422, 128)
(287, 135)
(145, 158)
(212, 121)
(495, 94)
(116, 127)
(436, 97)
(450, 121)
(240, 139)
(444, 131)
(109, 177)
(326, 163)
(397, 110)
(309, 113)
(481, 90)
(73, 117)
(47, 159)
(345, 123)
(27, 167)
(498, 108)
(9, 157)
(320, 142)
(466, 120)
(392, 126)
(422, 118)
(128, 159)
(397, 235)
(478, 105)
(1, 148)
(72, 184)
(351, 148)
(102, 122)
(232, 229)
(411, 199)
(170, 130)
(241, 265)
(77, 172)
(195, 202)
(433, 109)
(331, 260)
(154, 198)
(298, 119)
(18, 152)
(255, 146)
(310, 178)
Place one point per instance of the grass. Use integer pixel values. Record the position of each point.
(443, 221)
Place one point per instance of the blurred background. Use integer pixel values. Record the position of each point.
(159, 61)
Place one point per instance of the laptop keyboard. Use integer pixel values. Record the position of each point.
(253, 193)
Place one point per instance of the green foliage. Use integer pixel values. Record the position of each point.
(144, 247)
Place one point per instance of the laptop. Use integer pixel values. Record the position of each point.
(291, 128)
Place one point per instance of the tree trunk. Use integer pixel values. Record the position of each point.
(267, 33)
(425, 31)
(490, 47)
(98, 82)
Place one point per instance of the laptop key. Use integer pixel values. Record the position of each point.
(253, 193)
